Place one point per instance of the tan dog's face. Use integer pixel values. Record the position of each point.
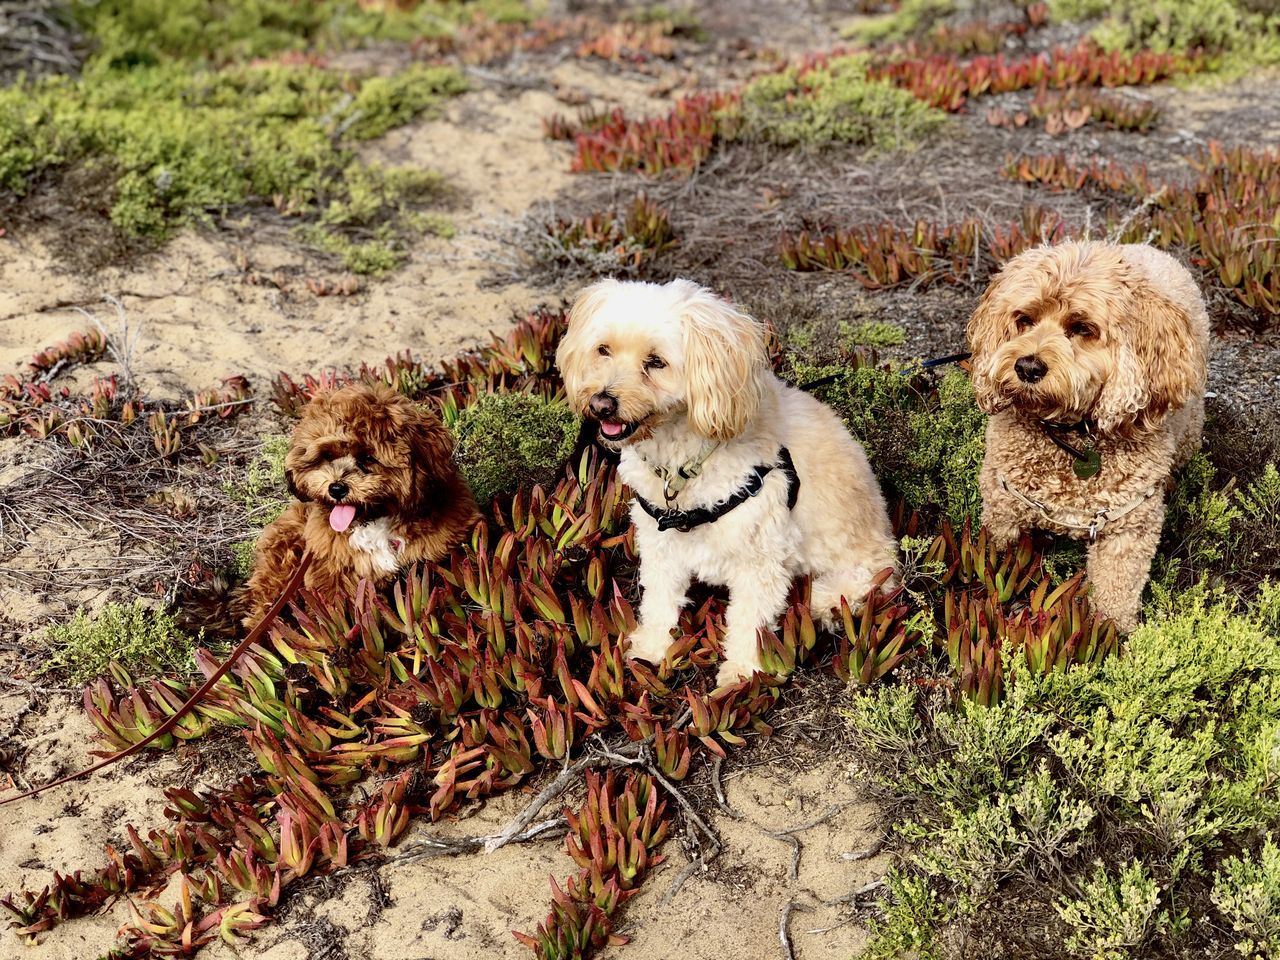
(638, 354)
(1072, 333)
(367, 452)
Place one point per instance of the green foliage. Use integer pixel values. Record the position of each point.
(506, 440)
(925, 442)
(871, 333)
(1165, 756)
(261, 493)
(911, 17)
(834, 104)
(912, 916)
(1246, 892)
(142, 640)
(1115, 917)
(1230, 27)
(146, 32)
(174, 141)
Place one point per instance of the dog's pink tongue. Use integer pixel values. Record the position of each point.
(341, 515)
(611, 429)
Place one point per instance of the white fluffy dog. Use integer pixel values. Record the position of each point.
(739, 479)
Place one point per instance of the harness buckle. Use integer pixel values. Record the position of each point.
(1098, 522)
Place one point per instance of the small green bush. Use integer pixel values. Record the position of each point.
(1115, 918)
(925, 442)
(1108, 793)
(142, 640)
(1247, 892)
(262, 494)
(871, 333)
(837, 104)
(1243, 35)
(911, 18)
(507, 440)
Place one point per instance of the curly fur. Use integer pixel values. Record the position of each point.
(396, 459)
(684, 367)
(1123, 334)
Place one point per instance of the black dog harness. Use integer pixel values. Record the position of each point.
(686, 520)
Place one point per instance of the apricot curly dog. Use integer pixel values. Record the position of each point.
(377, 489)
(1090, 357)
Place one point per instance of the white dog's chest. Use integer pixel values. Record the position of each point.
(380, 542)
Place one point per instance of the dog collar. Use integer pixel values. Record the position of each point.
(686, 520)
(1086, 462)
(674, 481)
(1092, 523)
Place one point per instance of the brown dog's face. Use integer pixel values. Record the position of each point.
(638, 354)
(366, 452)
(1072, 332)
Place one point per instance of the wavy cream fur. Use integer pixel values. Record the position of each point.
(1140, 377)
(716, 384)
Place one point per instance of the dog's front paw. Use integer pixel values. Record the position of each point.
(647, 646)
(731, 672)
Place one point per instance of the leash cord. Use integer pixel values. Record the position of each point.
(256, 634)
(906, 371)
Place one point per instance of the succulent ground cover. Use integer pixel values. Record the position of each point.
(1048, 786)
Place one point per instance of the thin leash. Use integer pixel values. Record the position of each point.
(256, 634)
(906, 371)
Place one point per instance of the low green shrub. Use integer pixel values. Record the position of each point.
(262, 495)
(142, 640)
(834, 104)
(1241, 33)
(923, 435)
(1105, 796)
(508, 440)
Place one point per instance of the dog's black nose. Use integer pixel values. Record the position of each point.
(1030, 369)
(338, 490)
(604, 405)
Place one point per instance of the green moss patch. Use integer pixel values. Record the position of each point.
(506, 440)
(834, 103)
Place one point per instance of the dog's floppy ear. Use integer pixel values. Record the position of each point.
(1158, 364)
(725, 362)
(576, 344)
(985, 333)
(433, 473)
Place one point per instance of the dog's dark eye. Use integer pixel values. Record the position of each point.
(1023, 321)
(655, 362)
(603, 350)
(1084, 331)
(366, 461)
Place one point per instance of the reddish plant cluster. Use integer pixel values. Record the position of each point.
(884, 255)
(1226, 216)
(631, 239)
(612, 838)
(678, 142)
(484, 40)
(1051, 629)
(946, 82)
(1073, 108)
(32, 406)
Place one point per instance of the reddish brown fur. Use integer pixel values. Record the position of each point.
(397, 460)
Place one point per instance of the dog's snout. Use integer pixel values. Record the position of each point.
(604, 405)
(1030, 369)
(338, 490)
